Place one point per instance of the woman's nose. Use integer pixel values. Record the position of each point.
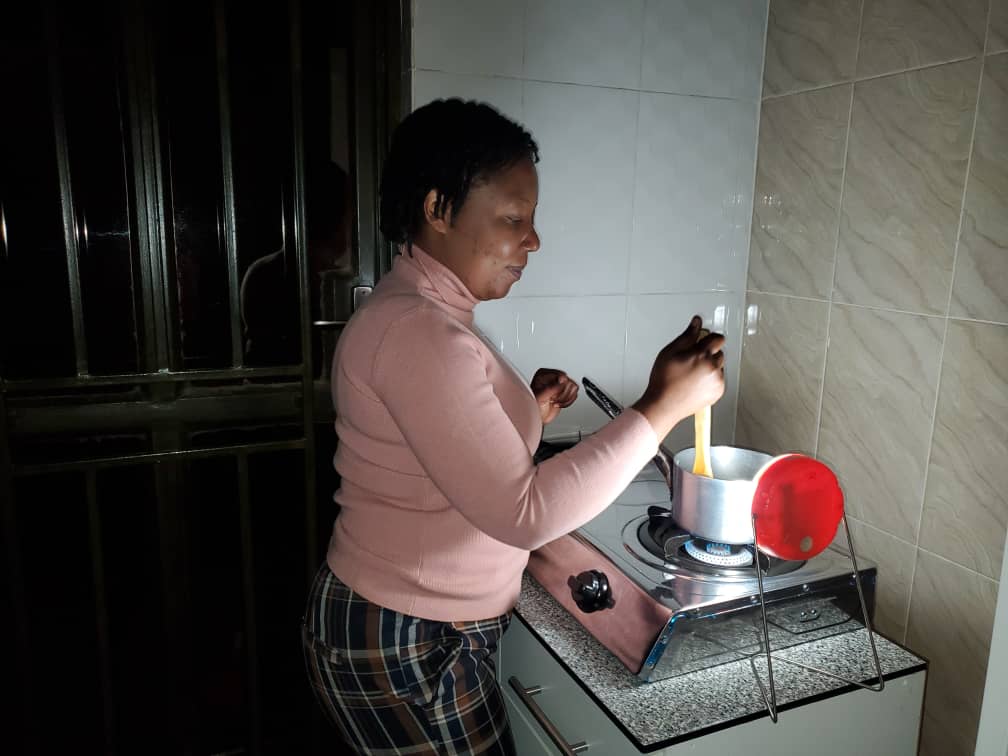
(532, 240)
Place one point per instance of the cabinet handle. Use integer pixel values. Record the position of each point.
(525, 694)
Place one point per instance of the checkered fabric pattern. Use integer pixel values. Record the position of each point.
(396, 684)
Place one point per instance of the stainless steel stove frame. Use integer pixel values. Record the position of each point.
(718, 619)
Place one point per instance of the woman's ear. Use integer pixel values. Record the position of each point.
(439, 223)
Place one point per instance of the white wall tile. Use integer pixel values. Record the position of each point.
(503, 94)
(586, 138)
(654, 320)
(693, 194)
(579, 335)
(678, 196)
(468, 36)
(584, 41)
(705, 48)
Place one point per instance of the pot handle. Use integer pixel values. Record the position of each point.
(662, 460)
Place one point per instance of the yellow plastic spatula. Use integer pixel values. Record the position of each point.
(701, 435)
(701, 443)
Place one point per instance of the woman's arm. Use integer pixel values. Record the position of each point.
(430, 375)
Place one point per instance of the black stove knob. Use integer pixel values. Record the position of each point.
(591, 591)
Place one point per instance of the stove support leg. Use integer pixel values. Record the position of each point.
(771, 700)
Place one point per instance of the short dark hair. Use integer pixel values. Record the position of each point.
(448, 146)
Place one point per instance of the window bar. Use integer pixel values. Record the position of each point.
(394, 102)
(101, 611)
(300, 246)
(248, 589)
(169, 482)
(154, 457)
(70, 231)
(16, 582)
(279, 371)
(366, 150)
(4, 252)
(147, 275)
(229, 222)
(154, 283)
(275, 405)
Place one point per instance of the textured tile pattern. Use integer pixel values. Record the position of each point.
(583, 41)
(997, 34)
(922, 251)
(981, 278)
(782, 359)
(573, 71)
(692, 235)
(503, 94)
(486, 37)
(797, 199)
(951, 620)
(654, 320)
(585, 208)
(906, 167)
(810, 44)
(878, 400)
(713, 49)
(895, 559)
(534, 332)
(901, 34)
(966, 504)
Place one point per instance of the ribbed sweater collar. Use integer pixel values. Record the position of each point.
(435, 281)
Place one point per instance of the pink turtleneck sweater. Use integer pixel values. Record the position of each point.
(441, 501)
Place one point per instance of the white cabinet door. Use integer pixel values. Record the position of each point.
(561, 701)
(529, 737)
(861, 723)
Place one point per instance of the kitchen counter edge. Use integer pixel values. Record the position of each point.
(659, 714)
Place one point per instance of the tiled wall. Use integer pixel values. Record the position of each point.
(877, 328)
(646, 116)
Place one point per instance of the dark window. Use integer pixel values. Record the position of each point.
(187, 201)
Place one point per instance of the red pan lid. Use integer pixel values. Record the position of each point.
(798, 505)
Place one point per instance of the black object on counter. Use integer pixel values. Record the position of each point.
(591, 591)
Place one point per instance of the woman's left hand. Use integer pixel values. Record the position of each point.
(554, 390)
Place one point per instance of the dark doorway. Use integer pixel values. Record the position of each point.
(188, 199)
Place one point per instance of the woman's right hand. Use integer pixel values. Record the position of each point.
(688, 375)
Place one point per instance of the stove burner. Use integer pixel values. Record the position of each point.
(721, 554)
(661, 538)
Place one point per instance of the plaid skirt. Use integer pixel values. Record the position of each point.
(396, 684)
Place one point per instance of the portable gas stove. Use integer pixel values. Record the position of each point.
(666, 604)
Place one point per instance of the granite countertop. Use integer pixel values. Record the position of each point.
(689, 705)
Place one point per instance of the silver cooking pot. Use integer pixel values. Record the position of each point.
(720, 508)
(717, 509)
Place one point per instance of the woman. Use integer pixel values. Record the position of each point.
(440, 499)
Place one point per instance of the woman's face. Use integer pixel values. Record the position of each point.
(488, 243)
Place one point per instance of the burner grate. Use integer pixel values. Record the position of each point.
(721, 554)
(663, 539)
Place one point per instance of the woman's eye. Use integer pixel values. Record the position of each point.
(512, 219)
